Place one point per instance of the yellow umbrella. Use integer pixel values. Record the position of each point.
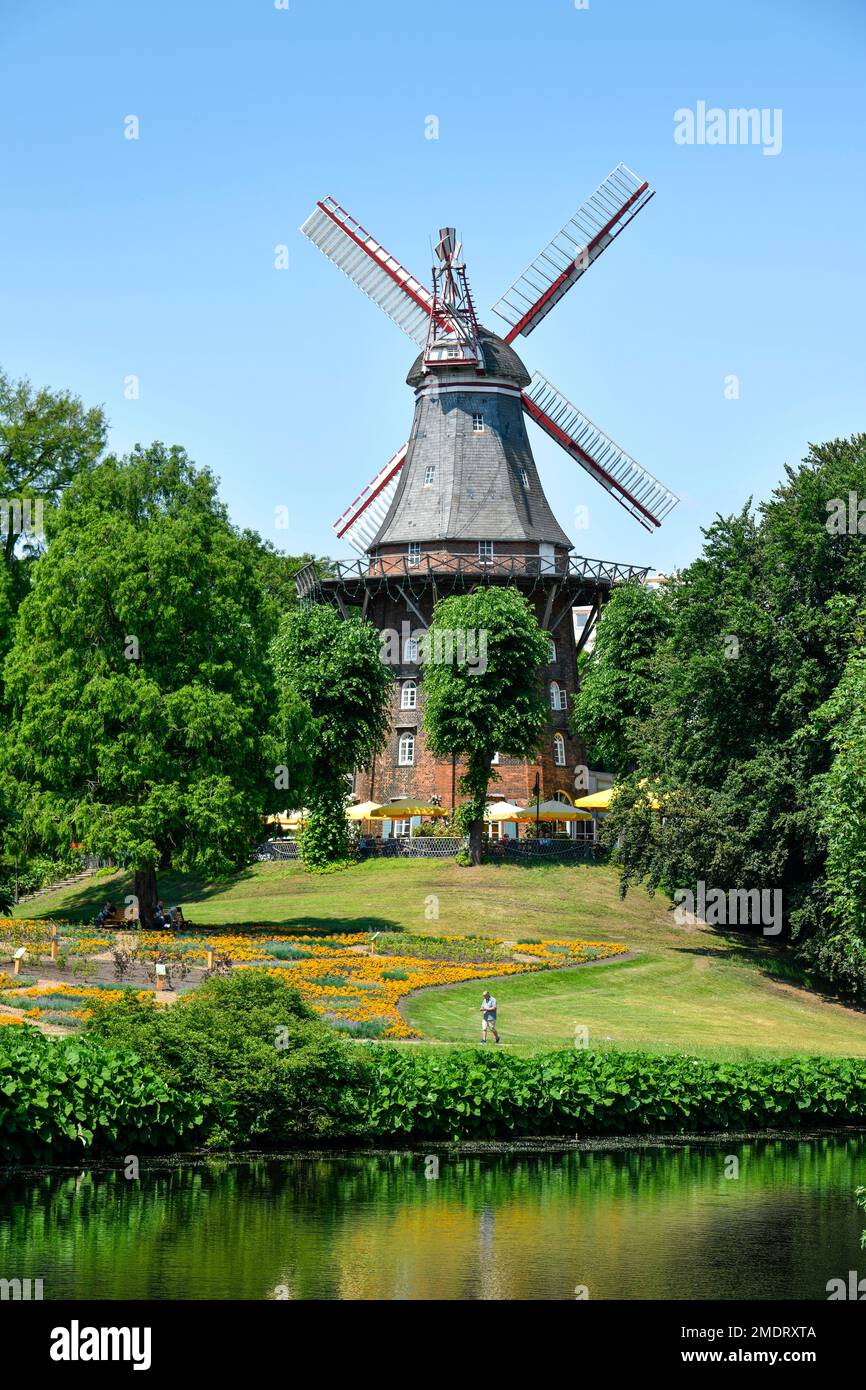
(363, 811)
(402, 807)
(502, 810)
(287, 820)
(552, 810)
(596, 801)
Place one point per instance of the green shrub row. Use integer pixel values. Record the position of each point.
(242, 1061)
(472, 1094)
(65, 1096)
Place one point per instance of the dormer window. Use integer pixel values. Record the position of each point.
(485, 552)
(477, 424)
(429, 474)
(524, 478)
(414, 552)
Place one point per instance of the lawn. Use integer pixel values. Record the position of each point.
(688, 987)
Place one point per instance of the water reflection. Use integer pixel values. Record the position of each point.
(640, 1223)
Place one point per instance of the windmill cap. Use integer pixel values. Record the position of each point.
(500, 360)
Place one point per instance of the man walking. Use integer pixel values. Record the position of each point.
(488, 1016)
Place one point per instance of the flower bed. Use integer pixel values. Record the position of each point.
(335, 974)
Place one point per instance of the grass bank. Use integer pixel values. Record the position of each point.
(696, 988)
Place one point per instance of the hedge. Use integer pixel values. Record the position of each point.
(472, 1094)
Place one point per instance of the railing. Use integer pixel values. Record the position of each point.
(279, 849)
(435, 567)
(546, 849)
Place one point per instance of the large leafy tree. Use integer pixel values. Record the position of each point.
(761, 628)
(616, 688)
(141, 693)
(46, 439)
(474, 708)
(838, 949)
(330, 674)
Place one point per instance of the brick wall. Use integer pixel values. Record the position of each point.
(429, 776)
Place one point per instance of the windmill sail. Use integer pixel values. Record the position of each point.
(616, 201)
(373, 269)
(359, 523)
(648, 500)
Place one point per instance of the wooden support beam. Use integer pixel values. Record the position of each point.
(417, 611)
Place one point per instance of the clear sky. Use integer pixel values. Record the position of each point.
(155, 257)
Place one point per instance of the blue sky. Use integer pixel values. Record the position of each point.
(155, 257)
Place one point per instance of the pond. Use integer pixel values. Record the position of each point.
(762, 1219)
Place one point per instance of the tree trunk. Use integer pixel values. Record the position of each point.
(475, 831)
(146, 893)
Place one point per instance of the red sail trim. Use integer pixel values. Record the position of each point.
(567, 274)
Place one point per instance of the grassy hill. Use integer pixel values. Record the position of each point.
(688, 987)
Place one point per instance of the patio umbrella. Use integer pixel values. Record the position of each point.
(363, 811)
(596, 801)
(403, 807)
(502, 810)
(552, 810)
(288, 820)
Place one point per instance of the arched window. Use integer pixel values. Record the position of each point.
(559, 751)
(558, 696)
(406, 750)
(408, 695)
(410, 649)
(551, 649)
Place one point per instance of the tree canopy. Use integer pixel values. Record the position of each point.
(616, 688)
(760, 629)
(489, 698)
(141, 695)
(331, 680)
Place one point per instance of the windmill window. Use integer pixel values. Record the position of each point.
(558, 696)
(477, 424)
(494, 760)
(408, 695)
(402, 829)
(429, 474)
(485, 551)
(406, 750)
(410, 649)
(524, 478)
(551, 649)
(559, 750)
(414, 552)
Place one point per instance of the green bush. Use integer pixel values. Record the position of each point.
(330, 981)
(271, 1072)
(62, 1096)
(284, 950)
(472, 1094)
(395, 974)
(360, 1028)
(464, 949)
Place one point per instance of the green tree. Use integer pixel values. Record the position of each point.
(490, 698)
(616, 689)
(330, 668)
(142, 698)
(46, 439)
(838, 948)
(761, 627)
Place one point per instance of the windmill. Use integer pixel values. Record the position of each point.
(444, 324)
